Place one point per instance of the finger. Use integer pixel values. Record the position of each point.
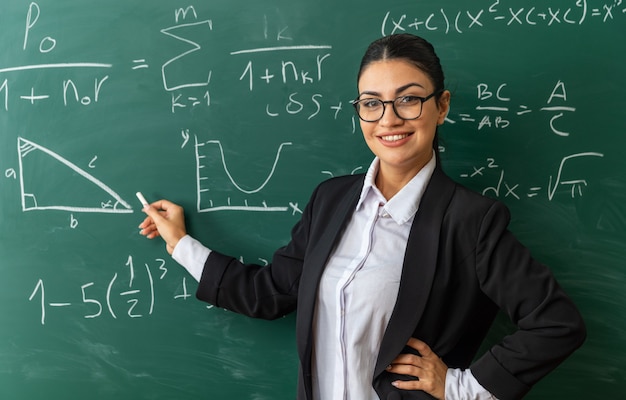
(150, 232)
(157, 218)
(163, 205)
(427, 367)
(153, 235)
(162, 210)
(427, 380)
(406, 369)
(414, 385)
(147, 227)
(407, 359)
(152, 211)
(146, 223)
(422, 348)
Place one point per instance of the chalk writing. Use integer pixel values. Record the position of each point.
(120, 300)
(253, 71)
(185, 57)
(109, 201)
(498, 12)
(204, 177)
(67, 89)
(510, 190)
(300, 65)
(136, 296)
(48, 43)
(575, 184)
(185, 66)
(288, 70)
(495, 109)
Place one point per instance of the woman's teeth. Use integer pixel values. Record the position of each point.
(393, 138)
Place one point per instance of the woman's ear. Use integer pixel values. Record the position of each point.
(444, 106)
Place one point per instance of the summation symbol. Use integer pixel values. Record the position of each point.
(56, 185)
(194, 47)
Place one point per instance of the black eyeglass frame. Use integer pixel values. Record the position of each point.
(355, 104)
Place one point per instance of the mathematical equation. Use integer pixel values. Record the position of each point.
(69, 90)
(308, 71)
(500, 188)
(303, 65)
(494, 108)
(461, 21)
(494, 111)
(136, 302)
(186, 76)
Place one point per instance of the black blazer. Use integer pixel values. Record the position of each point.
(461, 265)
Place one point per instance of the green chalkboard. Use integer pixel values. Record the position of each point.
(236, 110)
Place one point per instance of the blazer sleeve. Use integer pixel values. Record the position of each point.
(549, 325)
(266, 292)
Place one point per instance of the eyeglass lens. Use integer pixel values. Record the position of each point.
(405, 107)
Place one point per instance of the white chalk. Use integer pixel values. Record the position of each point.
(142, 199)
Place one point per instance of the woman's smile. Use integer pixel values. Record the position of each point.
(394, 138)
(403, 145)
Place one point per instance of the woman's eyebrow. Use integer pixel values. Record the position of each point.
(408, 85)
(398, 90)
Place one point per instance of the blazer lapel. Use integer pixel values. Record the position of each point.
(317, 257)
(418, 270)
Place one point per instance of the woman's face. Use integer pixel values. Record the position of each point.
(403, 146)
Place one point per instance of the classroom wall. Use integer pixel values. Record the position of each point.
(236, 110)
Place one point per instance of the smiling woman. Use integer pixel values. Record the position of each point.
(396, 274)
(402, 144)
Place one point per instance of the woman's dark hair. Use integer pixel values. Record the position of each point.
(413, 49)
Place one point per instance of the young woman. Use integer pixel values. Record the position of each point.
(397, 274)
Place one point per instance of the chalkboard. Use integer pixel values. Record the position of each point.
(236, 110)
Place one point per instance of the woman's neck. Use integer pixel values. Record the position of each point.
(390, 180)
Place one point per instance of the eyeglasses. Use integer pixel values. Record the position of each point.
(406, 107)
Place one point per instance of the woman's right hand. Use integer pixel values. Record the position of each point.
(164, 219)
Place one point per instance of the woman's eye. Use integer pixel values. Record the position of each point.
(370, 103)
(409, 100)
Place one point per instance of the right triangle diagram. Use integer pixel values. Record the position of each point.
(51, 182)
